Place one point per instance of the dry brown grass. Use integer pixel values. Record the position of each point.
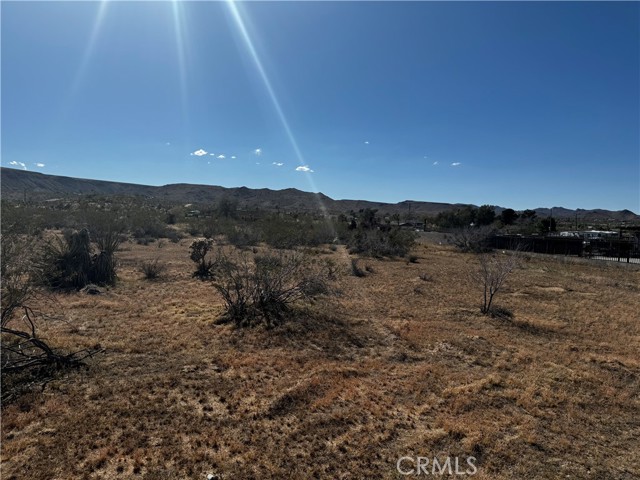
(394, 366)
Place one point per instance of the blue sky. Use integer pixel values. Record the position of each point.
(515, 104)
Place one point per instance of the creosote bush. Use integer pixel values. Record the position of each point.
(261, 289)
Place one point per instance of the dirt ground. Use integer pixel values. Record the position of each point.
(399, 363)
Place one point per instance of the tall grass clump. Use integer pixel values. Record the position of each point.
(153, 269)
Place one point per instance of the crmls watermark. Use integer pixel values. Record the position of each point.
(437, 466)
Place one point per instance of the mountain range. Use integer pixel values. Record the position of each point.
(19, 185)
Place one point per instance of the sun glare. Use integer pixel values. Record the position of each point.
(89, 50)
(246, 37)
(178, 27)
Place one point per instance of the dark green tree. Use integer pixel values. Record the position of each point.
(485, 215)
(547, 225)
(508, 216)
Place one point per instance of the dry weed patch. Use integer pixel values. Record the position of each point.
(342, 389)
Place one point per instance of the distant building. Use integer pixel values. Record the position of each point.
(590, 234)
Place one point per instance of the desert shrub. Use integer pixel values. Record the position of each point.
(16, 270)
(470, 239)
(242, 236)
(263, 288)
(103, 269)
(199, 250)
(331, 269)
(27, 360)
(283, 233)
(394, 242)
(153, 269)
(68, 262)
(493, 270)
(413, 259)
(356, 271)
(289, 232)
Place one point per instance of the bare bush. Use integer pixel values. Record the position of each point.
(470, 239)
(492, 272)
(16, 270)
(263, 288)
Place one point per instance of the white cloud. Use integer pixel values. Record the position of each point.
(455, 164)
(257, 163)
(168, 143)
(233, 156)
(221, 157)
(212, 154)
(304, 168)
(257, 151)
(199, 153)
(435, 163)
(278, 164)
(366, 142)
(18, 164)
(39, 165)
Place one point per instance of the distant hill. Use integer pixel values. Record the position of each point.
(15, 184)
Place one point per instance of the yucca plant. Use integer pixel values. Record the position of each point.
(68, 263)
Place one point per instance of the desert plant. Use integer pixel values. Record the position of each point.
(16, 270)
(65, 262)
(199, 250)
(491, 274)
(68, 262)
(103, 268)
(263, 289)
(26, 359)
(355, 268)
(470, 239)
(380, 243)
(153, 269)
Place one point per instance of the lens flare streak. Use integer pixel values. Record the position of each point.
(237, 17)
